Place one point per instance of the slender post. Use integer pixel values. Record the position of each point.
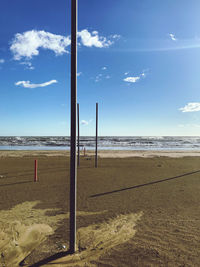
(96, 156)
(78, 135)
(73, 166)
(35, 176)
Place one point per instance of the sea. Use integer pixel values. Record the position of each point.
(104, 142)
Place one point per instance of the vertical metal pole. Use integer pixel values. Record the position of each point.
(96, 156)
(78, 135)
(73, 166)
(35, 176)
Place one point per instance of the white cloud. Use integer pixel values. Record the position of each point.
(83, 122)
(28, 65)
(93, 39)
(27, 44)
(132, 79)
(27, 84)
(98, 77)
(144, 73)
(2, 61)
(79, 74)
(172, 36)
(104, 68)
(95, 32)
(191, 107)
(116, 36)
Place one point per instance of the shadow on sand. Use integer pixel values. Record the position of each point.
(23, 182)
(141, 185)
(51, 258)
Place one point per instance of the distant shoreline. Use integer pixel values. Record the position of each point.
(104, 153)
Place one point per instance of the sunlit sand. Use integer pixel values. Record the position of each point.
(131, 211)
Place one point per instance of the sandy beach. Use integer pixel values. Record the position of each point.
(138, 208)
(105, 153)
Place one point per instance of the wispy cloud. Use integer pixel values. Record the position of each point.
(79, 74)
(191, 107)
(102, 76)
(172, 36)
(2, 61)
(83, 122)
(27, 44)
(28, 84)
(98, 77)
(28, 65)
(132, 79)
(116, 36)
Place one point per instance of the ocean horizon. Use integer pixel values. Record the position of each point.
(104, 142)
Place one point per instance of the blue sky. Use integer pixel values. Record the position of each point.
(139, 59)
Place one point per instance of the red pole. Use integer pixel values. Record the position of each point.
(36, 177)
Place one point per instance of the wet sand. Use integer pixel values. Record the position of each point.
(132, 211)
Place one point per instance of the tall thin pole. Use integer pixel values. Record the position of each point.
(78, 135)
(73, 166)
(96, 152)
(36, 171)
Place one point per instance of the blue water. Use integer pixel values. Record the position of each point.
(104, 142)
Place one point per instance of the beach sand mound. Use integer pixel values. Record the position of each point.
(24, 228)
(94, 240)
(107, 235)
(17, 241)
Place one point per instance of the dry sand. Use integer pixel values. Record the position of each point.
(133, 211)
(106, 153)
(146, 153)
